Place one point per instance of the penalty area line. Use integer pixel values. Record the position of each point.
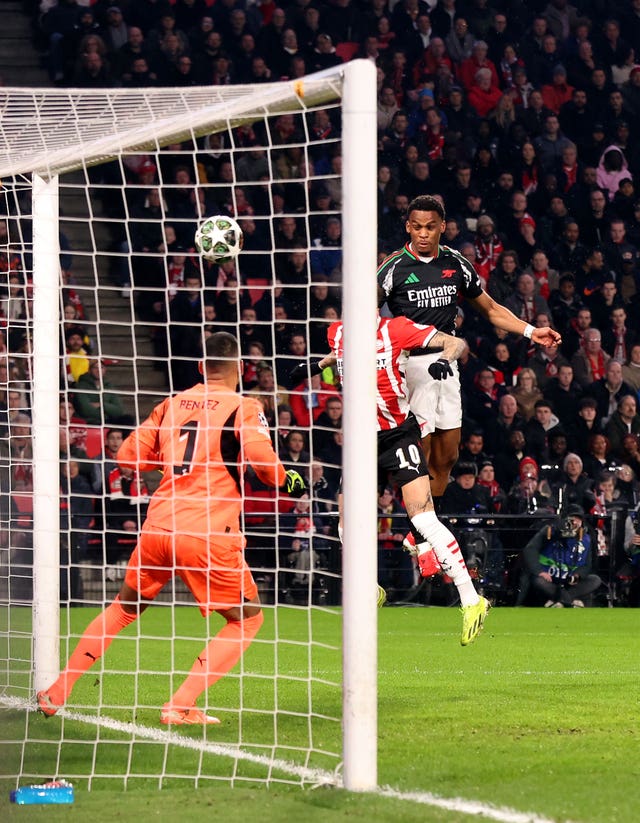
(317, 777)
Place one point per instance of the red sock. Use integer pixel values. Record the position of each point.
(219, 657)
(92, 645)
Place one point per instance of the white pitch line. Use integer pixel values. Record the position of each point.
(471, 807)
(318, 777)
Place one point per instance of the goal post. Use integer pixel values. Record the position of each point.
(360, 452)
(52, 134)
(46, 425)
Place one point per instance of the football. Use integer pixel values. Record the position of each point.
(219, 238)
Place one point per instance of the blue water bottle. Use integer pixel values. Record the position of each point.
(55, 791)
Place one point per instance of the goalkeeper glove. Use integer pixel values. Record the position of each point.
(294, 484)
(303, 371)
(441, 369)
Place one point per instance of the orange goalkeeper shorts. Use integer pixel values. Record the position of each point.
(217, 576)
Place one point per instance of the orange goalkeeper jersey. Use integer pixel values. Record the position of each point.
(200, 439)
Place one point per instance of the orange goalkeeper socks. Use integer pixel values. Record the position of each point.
(93, 644)
(219, 657)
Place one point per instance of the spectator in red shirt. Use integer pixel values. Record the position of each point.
(309, 399)
(488, 245)
(478, 60)
(484, 95)
(546, 278)
(433, 136)
(558, 92)
(433, 57)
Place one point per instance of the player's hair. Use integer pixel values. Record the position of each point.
(220, 351)
(425, 202)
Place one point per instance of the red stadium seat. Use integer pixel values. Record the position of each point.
(23, 502)
(256, 287)
(259, 505)
(95, 441)
(347, 50)
(23, 505)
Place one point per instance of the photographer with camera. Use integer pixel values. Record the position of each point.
(559, 560)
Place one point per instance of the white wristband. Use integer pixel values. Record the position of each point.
(528, 331)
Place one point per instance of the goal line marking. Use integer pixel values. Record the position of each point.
(318, 777)
(470, 807)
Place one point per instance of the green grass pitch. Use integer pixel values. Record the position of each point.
(539, 715)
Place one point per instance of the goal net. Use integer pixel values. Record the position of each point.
(105, 308)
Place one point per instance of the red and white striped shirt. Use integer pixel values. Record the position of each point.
(396, 336)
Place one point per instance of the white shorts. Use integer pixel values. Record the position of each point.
(436, 404)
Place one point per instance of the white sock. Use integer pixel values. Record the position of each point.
(448, 553)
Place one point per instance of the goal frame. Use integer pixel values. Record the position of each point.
(358, 81)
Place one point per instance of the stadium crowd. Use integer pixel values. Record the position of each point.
(524, 118)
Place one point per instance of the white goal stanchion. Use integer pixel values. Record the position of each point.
(135, 171)
(360, 463)
(45, 438)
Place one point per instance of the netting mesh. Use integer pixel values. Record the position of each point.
(136, 305)
(57, 130)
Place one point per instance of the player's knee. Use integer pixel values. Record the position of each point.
(131, 609)
(252, 623)
(130, 601)
(449, 451)
(444, 462)
(416, 496)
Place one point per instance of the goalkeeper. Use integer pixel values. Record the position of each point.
(400, 452)
(201, 439)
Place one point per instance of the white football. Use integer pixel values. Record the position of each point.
(219, 238)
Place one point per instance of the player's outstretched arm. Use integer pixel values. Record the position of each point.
(501, 317)
(140, 449)
(259, 452)
(305, 371)
(265, 462)
(294, 484)
(270, 470)
(329, 360)
(546, 336)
